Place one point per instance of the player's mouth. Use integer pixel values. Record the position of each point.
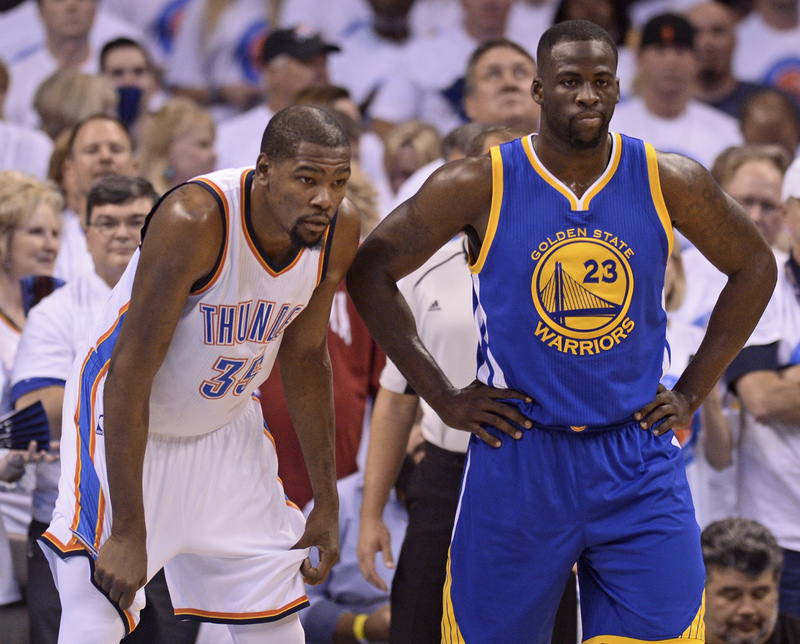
(317, 224)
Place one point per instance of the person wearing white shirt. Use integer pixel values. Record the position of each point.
(372, 50)
(665, 114)
(428, 84)
(99, 146)
(769, 46)
(21, 148)
(293, 59)
(766, 377)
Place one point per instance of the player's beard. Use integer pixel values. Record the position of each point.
(302, 242)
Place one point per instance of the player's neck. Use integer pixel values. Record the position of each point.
(271, 237)
(576, 168)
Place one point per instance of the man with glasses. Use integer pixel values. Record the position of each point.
(116, 208)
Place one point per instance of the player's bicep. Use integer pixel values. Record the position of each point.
(708, 217)
(457, 197)
(183, 244)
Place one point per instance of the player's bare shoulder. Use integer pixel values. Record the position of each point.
(186, 230)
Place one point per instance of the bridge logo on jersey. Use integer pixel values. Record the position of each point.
(582, 287)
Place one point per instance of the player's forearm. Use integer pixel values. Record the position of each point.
(125, 429)
(391, 323)
(309, 396)
(392, 419)
(738, 309)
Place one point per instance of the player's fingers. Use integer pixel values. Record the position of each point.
(309, 572)
(662, 411)
(487, 438)
(489, 420)
(509, 412)
(510, 394)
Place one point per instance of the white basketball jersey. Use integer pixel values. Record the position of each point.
(231, 326)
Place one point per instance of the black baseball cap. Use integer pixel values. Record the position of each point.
(300, 42)
(668, 29)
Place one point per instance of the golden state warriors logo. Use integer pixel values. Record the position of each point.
(582, 287)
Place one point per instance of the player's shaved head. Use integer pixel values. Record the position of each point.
(301, 124)
(572, 31)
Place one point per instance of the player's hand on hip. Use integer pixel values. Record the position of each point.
(121, 569)
(477, 406)
(374, 537)
(322, 532)
(669, 406)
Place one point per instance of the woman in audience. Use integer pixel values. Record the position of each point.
(177, 144)
(409, 147)
(30, 225)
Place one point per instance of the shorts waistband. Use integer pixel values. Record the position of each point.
(587, 429)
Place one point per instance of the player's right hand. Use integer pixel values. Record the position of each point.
(374, 537)
(121, 569)
(477, 406)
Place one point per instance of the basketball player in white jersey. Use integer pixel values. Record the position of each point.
(165, 457)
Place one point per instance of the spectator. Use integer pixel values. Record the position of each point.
(215, 59)
(24, 32)
(752, 175)
(429, 84)
(68, 97)
(345, 608)
(611, 15)
(497, 86)
(408, 148)
(768, 49)
(770, 117)
(30, 224)
(707, 443)
(116, 210)
(714, 25)
(664, 113)
(158, 21)
(177, 144)
(67, 25)
(766, 377)
(98, 146)
(743, 566)
(293, 60)
(21, 148)
(372, 50)
(127, 65)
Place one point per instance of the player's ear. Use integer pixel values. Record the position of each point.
(263, 165)
(536, 90)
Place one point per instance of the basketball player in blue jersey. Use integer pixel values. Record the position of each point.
(572, 457)
(166, 460)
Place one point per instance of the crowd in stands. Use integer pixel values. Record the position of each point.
(105, 105)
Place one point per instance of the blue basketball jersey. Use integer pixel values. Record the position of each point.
(568, 291)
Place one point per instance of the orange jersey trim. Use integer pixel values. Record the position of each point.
(225, 214)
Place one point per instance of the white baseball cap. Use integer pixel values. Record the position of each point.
(791, 181)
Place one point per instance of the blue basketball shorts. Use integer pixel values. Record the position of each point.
(615, 501)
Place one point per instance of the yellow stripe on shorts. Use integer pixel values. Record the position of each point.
(451, 634)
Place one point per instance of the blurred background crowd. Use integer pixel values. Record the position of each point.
(159, 91)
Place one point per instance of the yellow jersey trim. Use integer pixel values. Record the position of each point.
(656, 194)
(494, 212)
(575, 203)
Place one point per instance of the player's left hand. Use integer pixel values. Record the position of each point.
(322, 532)
(671, 406)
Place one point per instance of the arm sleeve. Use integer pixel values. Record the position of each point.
(46, 349)
(757, 357)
